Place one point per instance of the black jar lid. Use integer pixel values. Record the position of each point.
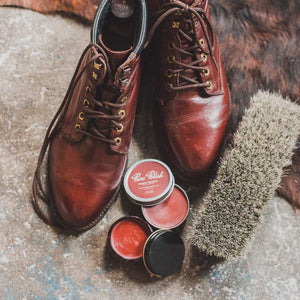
(163, 253)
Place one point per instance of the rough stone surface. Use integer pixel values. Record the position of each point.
(38, 55)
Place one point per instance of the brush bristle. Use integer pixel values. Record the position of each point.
(248, 175)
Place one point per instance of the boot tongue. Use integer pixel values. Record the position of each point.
(115, 58)
(106, 91)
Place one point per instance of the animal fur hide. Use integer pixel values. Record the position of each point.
(258, 40)
(259, 43)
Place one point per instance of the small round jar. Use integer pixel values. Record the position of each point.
(163, 253)
(148, 182)
(171, 213)
(127, 237)
(131, 238)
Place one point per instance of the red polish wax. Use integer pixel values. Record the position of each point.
(128, 237)
(169, 214)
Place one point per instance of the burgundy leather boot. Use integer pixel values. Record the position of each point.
(193, 106)
(89, 137)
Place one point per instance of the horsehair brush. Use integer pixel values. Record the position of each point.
(247, 177)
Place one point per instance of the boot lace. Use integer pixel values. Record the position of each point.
(100, 120)
(188, 16)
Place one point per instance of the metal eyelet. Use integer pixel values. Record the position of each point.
(88, 90)
(77, 127)
(206, 72)
(201, 41)
(81, 116)
(209, 87)
(86, 103)
(119, 128)
(123, 81)
(169, 74)
(122, 113)
(124, 99)
(204, 57)
(95, 76)
(170, 59)
(117, 141)
(171, 46)
(169, 87)
(126, 70)
(97, 66)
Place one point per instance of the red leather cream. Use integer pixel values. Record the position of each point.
(128, 236)
(148, 182)
(170, 213)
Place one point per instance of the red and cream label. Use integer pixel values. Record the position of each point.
(148, 180)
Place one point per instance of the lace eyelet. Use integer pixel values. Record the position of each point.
(126, 70)
(206, 72)
(169, 87)
(169, 74)
(95, 76)
(170, 59)
(209, 87)
(88, 90)
(117, 141)
(124, 99)
(201, 41)
(171, 46)
(123, 81)
(204, 57)
(77, 127)
(119, 128)
(122, 114)
(97, 66)
(86, 103)
(81, 116)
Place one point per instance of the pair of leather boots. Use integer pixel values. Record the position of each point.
(88, 139)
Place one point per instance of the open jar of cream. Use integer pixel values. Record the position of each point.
(127, 237)
(170, 213)
(162, 250)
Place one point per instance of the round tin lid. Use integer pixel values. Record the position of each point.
(148, 182)
(163, 253)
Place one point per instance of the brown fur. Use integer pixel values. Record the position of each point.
(259, 46)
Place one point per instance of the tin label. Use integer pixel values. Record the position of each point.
(148, 180)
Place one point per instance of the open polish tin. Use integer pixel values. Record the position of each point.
(170, 213)
(148, 182)
(162, 251)
(127, 237)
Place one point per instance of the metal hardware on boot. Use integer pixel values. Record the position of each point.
(86, 148)
(188, 50)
